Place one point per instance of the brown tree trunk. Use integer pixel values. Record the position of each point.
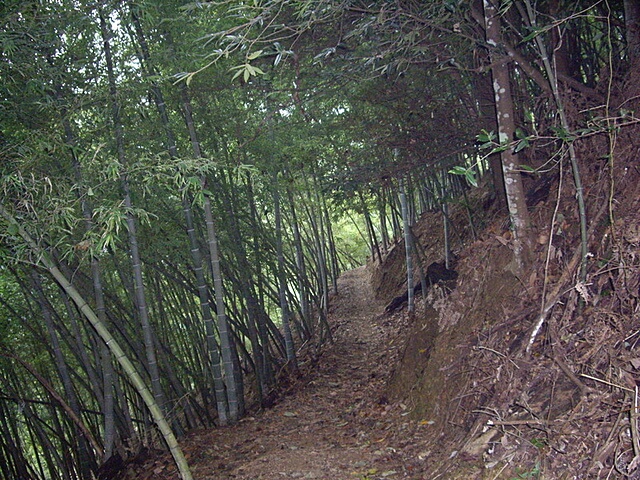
(487, 112)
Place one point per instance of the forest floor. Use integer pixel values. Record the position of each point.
(335, 423)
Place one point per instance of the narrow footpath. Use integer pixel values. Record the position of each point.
(335, 424)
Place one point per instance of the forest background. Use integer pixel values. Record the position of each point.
(182, 184)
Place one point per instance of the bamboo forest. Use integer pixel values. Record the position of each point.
(330, 239)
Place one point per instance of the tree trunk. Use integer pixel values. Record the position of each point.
(301, 268)
(487, 107)
(116, 350)
(374, 246)
(382, 214)
(333, 253)
(518, 211)
(256, 322)
(445, 220)
(552, 75)
(106, 364)
(86, 464)
(12, 464)
(232, 374)
(407, 246)
(322, 304)
(282, 280)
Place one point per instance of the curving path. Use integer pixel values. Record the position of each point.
(335, 424)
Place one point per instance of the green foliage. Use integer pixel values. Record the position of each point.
(535, 472)
(467, 172)
(276, 91)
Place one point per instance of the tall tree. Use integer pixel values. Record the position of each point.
(505, 115)
(282, 279)
(407, 244)
(227, 409)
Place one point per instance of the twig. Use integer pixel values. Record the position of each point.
(506, 464)
(480, 347)
(532, 421)
(606, 382)
(598, 457)
(633, 420)
(552, 227)
(569, 373)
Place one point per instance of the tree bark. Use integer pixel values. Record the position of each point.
(407, 246)
(505, 111)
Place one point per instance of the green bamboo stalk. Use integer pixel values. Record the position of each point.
(553, 81)
(43, 259)
(282, 280)
(407, 245)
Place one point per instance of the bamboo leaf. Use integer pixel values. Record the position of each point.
(468, 173)
(534, 33)
(236, 75)
(522, 144)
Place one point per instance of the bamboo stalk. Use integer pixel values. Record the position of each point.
(43, 259)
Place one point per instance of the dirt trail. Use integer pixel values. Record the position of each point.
(336, 424)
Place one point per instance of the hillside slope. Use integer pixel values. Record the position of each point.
(531, 375)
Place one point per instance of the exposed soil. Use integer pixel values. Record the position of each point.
(508, 400)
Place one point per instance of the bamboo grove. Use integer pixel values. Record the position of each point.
(171, 240)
